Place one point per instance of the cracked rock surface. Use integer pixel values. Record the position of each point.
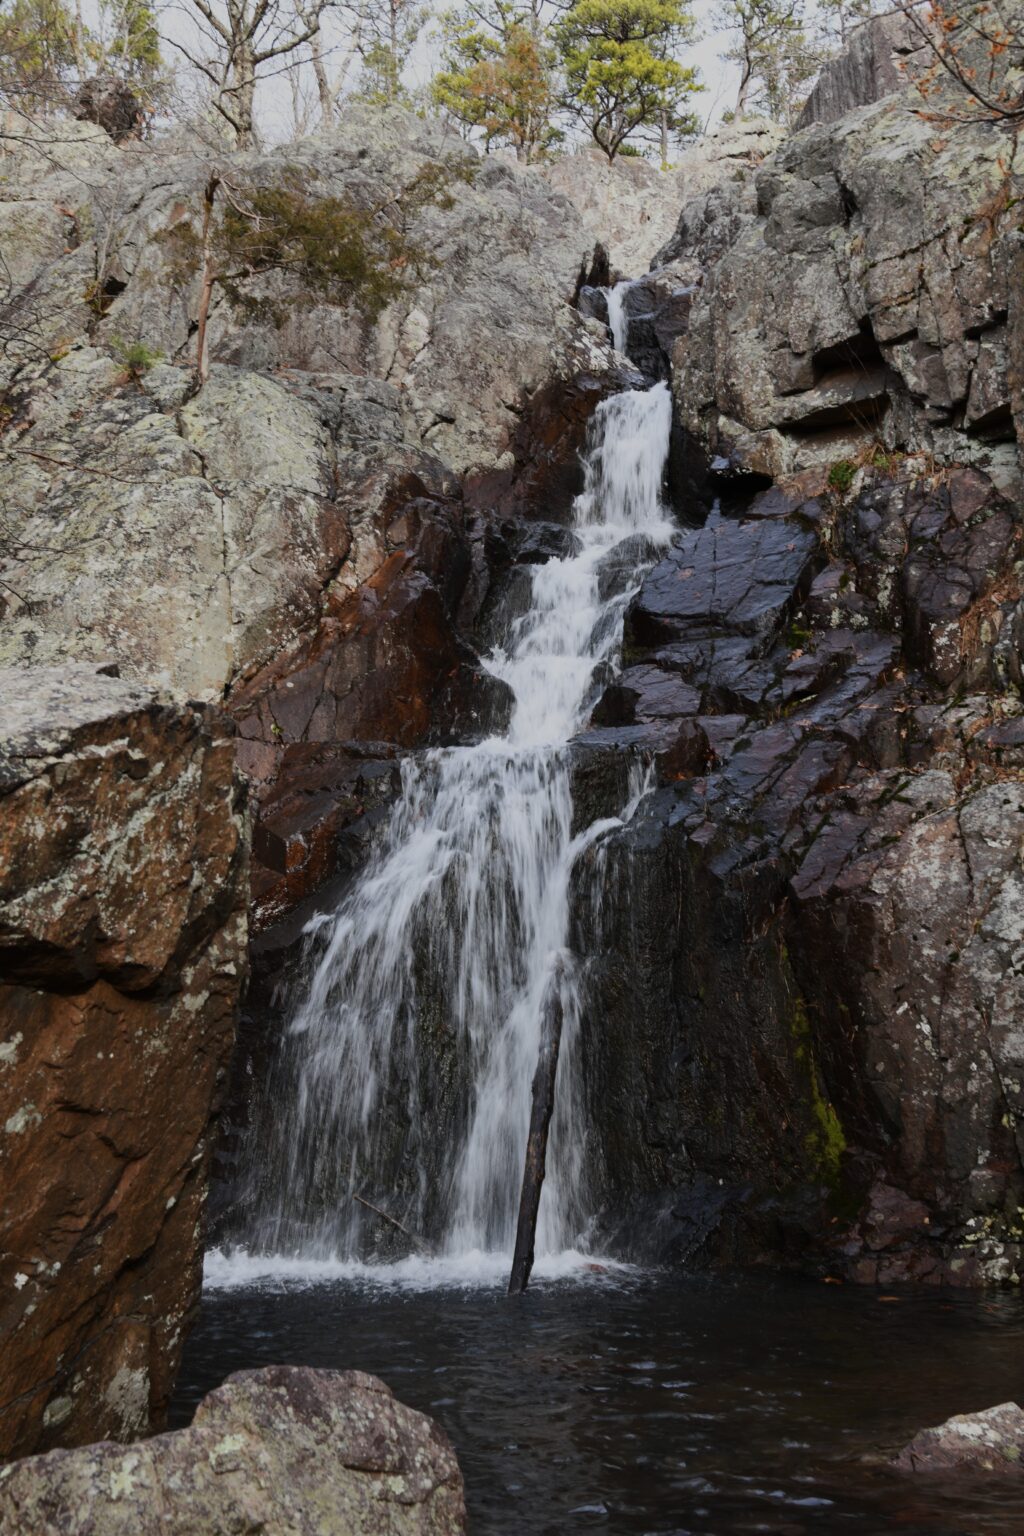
(123, 892)
(824, 1037)
(286, 1451)
(293, 538)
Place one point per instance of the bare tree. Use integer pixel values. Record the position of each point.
(331, 63)
(245, 39)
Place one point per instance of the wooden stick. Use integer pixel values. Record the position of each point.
(537, 1144)
(421, 1244)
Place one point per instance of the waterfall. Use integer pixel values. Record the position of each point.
(618, 319)
(453, 939)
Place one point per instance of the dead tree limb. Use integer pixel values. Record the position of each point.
(419, 1242)
(537, 1143)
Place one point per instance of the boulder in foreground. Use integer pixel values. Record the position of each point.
(282, 1450)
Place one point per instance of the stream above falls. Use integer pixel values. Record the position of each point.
(652, 1404)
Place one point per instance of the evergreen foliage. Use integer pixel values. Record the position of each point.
(497, 78)
(621, 76)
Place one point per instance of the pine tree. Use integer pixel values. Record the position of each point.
(498, 79)
(38, 56)
(621, 76)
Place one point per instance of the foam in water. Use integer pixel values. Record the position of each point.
(238, 1269)
(456, 938)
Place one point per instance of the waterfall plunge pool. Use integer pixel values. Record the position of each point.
(647, 1403)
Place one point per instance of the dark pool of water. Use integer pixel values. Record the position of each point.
(661, 1404)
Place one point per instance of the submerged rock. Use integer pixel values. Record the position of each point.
(286, 1451)
(123, 890)
(989, 1441)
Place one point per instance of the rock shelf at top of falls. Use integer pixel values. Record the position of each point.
(405, 1069)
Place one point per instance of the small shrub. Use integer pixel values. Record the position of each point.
(135, 355)
(840, 476)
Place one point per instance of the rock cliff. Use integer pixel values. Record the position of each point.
(867, 302)
(123, 896)
(294, 538)
(825, 892)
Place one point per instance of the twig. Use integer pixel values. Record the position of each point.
(421, 1244)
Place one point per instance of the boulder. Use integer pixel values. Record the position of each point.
(123, 891)
(989, 1441)
(287, 1451)
(112, 104)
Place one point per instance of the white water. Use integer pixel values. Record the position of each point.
(455, 940)
(618, 320)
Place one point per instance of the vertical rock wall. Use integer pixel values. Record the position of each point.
(123, 889)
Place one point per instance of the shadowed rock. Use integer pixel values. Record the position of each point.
(123, 889)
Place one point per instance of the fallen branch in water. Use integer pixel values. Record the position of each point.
(537, 1143)
(420, 1242)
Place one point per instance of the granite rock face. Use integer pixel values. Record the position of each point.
(123, 891)
(286, 1451)
(865, 303)
(293, 539)
(879, 57)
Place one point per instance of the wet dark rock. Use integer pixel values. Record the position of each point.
(536, 543)
(644, 693)
(123, 897)
(545, 474)
(593, 303)
(741, 576)
(989, 1442)
(814, 911)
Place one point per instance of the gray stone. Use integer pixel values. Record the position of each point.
(875, 63)
(286, 1451)
(989, 1441)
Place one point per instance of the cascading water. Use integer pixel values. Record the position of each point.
(618, 319)
(456, 936)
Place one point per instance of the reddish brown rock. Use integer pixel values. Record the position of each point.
(122, 951)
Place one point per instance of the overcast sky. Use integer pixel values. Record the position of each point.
(275, 95)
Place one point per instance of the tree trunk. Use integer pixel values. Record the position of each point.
(537, 1144)
(243, 96)
(744, 90)
(664, 139)
(323, 84)
(206, 281)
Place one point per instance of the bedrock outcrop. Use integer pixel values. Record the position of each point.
(293, 538)
(123, 892)
(808, 996)
(866, 301)
(287, 1451)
